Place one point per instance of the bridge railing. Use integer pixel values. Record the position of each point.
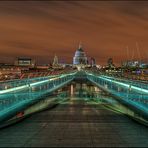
(131, 94)
(32, 92)
(131, 82)
(32, 77)
(16, 83)
(138, 83)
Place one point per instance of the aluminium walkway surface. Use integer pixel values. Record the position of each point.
(75, 123)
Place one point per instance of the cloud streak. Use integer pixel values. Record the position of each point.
(38, 29)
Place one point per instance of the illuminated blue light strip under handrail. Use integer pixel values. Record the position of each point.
(130, 81)
(36, 97)
(121, 83)
(16, 104)
(20, 82)
(126, 85)
(23, 87)
(31, 84)
(127, 96)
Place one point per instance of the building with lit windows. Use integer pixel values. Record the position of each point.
(134, 63)
(25, 61)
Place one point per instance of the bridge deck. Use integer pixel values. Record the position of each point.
(75, 123)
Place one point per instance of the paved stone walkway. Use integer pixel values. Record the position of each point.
(75, 124)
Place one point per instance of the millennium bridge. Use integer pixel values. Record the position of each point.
(74, 109)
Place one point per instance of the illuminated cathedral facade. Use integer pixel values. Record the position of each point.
(80, 57)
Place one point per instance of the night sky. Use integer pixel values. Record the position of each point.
(42, 29)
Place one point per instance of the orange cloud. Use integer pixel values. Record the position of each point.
(41, 29)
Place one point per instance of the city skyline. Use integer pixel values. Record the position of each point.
(42, 29)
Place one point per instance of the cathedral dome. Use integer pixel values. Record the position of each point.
(80, 57)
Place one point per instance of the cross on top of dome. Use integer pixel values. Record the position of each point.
(80, 47)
